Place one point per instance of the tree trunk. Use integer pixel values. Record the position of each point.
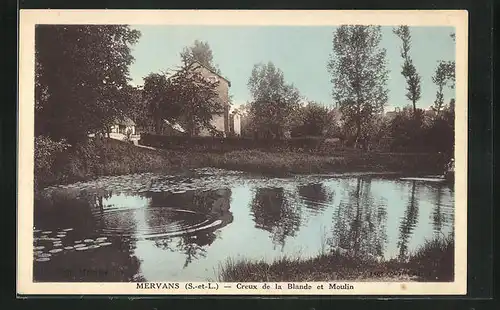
(358, 133)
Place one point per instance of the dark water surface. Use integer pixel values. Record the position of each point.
(149, 227)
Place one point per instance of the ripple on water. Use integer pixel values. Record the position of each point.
(162, 221)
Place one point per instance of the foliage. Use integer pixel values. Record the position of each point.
(377, 134)
(443, 76)
(359, 76)
(137, 108)
(46, 152)
(434, 261)
(200, 51)
(408, 68)
(156, 95)
(81, 73)
(407, 130)
(312, 120)
(440, 135)
(198, 98)
(273, 101)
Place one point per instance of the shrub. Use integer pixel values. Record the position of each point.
(219, 144)
(46, 151)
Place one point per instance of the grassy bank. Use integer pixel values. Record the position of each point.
(299, 163)
(111, 157)
(433, 262)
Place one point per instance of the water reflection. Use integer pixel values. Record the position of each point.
(314, 196)
(75, 216)
(360, 221)
(172, 232)
(273, 212)
(439, 214)
(408, 223)
(201, 205)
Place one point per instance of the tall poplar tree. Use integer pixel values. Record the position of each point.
(359, 76)
(408, 68)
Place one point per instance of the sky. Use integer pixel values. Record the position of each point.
(302, 53)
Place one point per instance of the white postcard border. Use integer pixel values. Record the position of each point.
(28, 20)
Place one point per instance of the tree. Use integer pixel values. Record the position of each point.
(443, 76)
(408, 68)
(155, 94)
(407, 130)
(137, 108)
(359, 75)
(195, 96)
(313, 121)
(200, 51)
(273, 101)
(81, 73)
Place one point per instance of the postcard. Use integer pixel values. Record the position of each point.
(228, 152)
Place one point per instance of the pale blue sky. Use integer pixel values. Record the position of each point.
(301, 53)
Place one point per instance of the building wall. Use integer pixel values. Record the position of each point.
(237, 124)
(217, 122)
(221, 122)
(116, 129)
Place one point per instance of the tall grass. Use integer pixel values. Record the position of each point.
(434, 262)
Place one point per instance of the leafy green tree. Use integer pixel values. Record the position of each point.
(273, 100)
(196, 98)
(313, 120)
(200, 51)
(408, 68)
(407, 130)
(156, 96)
(443, 76)
(137, 109)
(359, 76)
(81, 73)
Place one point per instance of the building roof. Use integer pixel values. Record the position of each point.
(212, 71)
(124, 121)
(175, 126)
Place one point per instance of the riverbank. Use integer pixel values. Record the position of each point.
(111, 157)
(433, 262)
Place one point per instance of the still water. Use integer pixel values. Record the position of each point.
(150, 227)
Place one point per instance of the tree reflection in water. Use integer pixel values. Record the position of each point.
(273, 212)
(83, 214)
(408, 223)
(438, 216)
(212, 205)
(360, 222)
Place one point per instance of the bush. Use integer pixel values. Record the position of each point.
(46, 152)
(219, 144)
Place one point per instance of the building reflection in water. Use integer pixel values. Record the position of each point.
(314, 197)
(359, 227)
(197, 208)
(275, 213)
